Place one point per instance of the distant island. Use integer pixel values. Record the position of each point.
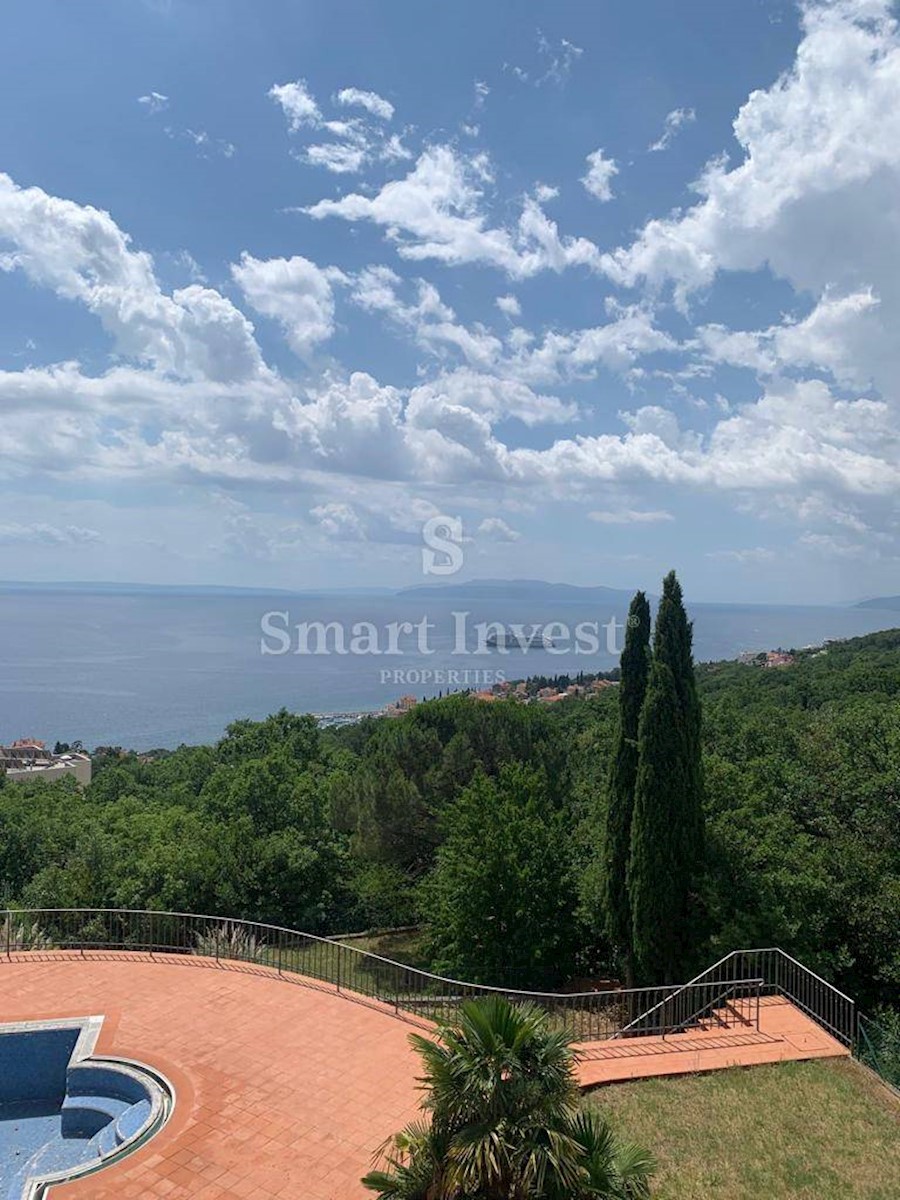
(884, 603)
(517, 589)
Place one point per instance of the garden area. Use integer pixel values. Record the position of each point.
(796, 1131)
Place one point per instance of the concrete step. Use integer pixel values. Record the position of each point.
(84, 1116)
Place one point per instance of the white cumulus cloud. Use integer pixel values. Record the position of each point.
(435, 212)
(81, 254)
(297, 104)
(371, 101)
(354, 141)
(600, 173)
(497, 530)
(509, 306)
(820, 168)
(813, 196)
(294, 292)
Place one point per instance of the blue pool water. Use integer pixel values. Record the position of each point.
(62, 1113)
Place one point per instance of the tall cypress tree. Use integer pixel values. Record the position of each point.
(655, 885)
(635, 668)
(667, 825)
(673, 645)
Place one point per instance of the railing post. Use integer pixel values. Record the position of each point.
(216, 940)
(338, 971)
(8, 934)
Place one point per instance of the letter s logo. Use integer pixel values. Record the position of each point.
(444, 535)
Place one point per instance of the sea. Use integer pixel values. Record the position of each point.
(149, 669)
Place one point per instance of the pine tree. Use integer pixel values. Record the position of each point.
(667, 825)
(635, 667)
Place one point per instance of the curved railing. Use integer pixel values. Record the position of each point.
(586, 1016)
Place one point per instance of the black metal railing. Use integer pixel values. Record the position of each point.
(781, 975)
(707, 1004)
(585, 1016)
(712, 1003)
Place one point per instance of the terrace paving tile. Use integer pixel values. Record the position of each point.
(279, 1088)
(287, 1089)
(785, 1034)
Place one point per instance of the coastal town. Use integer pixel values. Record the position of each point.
(528, 691)
(541, 690)
(28, 757)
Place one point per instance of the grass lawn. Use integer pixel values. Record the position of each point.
(405, 946)
(815, 1130)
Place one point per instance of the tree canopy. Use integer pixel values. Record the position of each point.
(346, 830)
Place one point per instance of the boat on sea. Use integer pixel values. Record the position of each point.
(535, 639)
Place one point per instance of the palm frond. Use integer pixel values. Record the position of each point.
(503, 1120)
(635, 1167)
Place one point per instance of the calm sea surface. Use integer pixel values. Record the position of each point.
(149, 670)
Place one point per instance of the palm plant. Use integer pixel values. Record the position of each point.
(502, 1119)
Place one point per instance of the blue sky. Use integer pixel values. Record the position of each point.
(615, 284)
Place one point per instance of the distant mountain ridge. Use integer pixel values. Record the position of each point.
(884, 603)
(520, 589)
(103, 588)
(537, 591)
(123, 589)
(490, 589)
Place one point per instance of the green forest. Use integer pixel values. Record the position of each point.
(487, 826)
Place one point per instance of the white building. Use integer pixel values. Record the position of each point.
(29, 759)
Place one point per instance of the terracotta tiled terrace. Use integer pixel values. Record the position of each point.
(784, 1033)
(284, 1088)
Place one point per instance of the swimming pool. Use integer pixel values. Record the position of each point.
(65, 1112)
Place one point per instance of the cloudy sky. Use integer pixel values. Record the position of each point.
(618, 285)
